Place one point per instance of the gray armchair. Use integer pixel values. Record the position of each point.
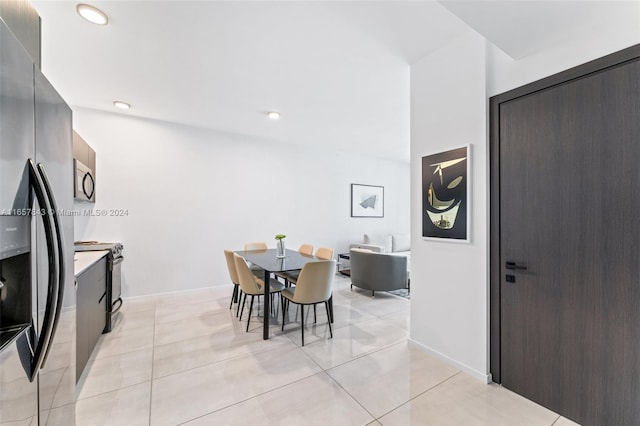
(377, 271)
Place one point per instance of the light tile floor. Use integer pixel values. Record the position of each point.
(186, 359)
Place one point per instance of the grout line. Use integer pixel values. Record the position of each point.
(290, 336)
(404, 340)
(381, 348)
(93, 360)
(111, 391)
(87, 373)
(200, 315)
(420, 394)
(278, 345)
(233, 358)
(556, 420)
(296, 347)
(200, 336)
(251, 397)
(348, 393)
(66, 369)
(351, 396)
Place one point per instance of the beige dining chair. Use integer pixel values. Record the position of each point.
(257, 245)
(324, 253)
(315, 284)
(306, 249)
(251, 285)
(291, 276)
(233, 274)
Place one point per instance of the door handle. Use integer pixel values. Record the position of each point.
(44, 339)
(514, 265)
(61, 257)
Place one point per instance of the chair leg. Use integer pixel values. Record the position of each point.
(273, 305)
(373, 293)
(250, 309)
(302, 322)
(326, 306)
(282, 302)
(330, 302)
(315, 319)
(233, 295)
(243, 302)
(239, 300)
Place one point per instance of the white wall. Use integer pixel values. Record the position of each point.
(449, 280)
(190, 193)
(449, 108)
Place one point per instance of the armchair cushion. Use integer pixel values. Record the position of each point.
(400, 242)
(383, 240)
(370, 247)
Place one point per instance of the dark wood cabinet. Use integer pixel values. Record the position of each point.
(91, 313)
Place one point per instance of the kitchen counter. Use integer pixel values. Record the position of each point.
(84, 259)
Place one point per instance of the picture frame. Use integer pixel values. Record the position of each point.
(446, 195)
(367, 200)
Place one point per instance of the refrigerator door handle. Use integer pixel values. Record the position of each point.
(61, 263)
(47, 325)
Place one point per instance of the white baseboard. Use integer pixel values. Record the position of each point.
(483, 377)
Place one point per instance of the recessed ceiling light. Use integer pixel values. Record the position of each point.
(92, 14)
(273, 115)
(121, 105)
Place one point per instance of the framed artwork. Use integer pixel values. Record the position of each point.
(367, 200)
(445, 195)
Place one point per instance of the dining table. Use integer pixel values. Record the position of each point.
(270, 263)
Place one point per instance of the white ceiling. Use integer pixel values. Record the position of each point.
(523, 27)
(338, 71)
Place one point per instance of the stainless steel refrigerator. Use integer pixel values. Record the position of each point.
(37, 293)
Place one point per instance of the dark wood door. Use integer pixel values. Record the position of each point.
(570, 212)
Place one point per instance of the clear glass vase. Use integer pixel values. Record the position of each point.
(280, 248)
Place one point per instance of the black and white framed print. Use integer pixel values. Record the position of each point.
(445, 195)
(367, 200)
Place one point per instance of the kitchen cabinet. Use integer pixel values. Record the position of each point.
(84, 164)
(92, 305)
(83, 152)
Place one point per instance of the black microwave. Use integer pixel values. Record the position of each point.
(84, 188)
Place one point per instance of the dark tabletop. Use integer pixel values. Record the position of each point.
(267, 260)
